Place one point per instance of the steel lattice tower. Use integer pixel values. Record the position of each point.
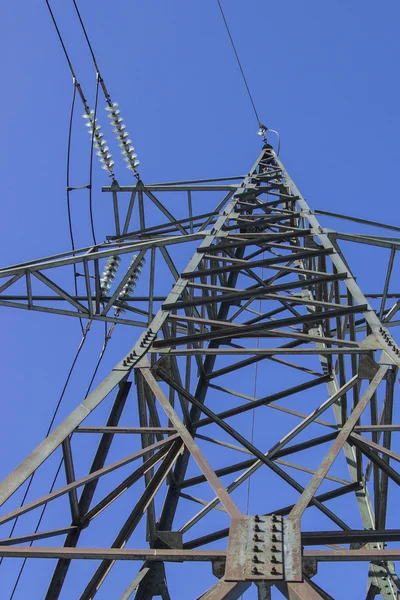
(256, 280)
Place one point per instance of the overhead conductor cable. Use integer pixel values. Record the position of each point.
(125, 143)
(262, 128)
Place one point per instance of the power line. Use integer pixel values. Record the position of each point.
(107, 337)
(85, 331)
(96, 66)
(77, 87)
(55, 411)
(68, 197)
(86, 36)
(240, 64)
(21, 570)
(91, 166)
(263, 128)
(127, 150)
(61, 40)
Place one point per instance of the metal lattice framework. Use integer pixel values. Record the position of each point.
(264, 283)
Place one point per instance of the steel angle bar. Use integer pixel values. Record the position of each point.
(316, 413)
(129, 213)
(263, 459)
(11, 483)
(258, 239)
(275, 221)
(245, 330)
(224, 590)
(262, 401)
(254, 462)
(256, 292)
(356, 220)
(70, 477)
(196, 181)
(58, 290)
(237, 394)
(89, 489)
(378, 461)
(33, 537)
(308, 338)
(218, 209)
(280, 462)
(381, 515)
(116, 212)
(69, 313)
(343, 555)
(362, 536)
(190, 444)
(133, 519)
(120, 429)
(222, 533)
(11, 281)
(112, 554)
(200, 501)
(102, 252)
(387, 281)
(359, 298)
(298, 591)
(341, 439)
(147, 466)
(264, 352)
(177, 187)
(87, 479)
(368, 240)
(164, 210)
(377, 447)
(377, 428)
(134, 584)
(160, 228)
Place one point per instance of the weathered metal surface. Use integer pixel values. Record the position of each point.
(232, 299)
(293, 565)
(263, 548)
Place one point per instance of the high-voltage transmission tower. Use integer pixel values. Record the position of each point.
(239, 272)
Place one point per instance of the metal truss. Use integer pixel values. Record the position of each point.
(256, 280)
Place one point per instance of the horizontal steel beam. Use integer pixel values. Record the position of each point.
(113, 554)
(175, 555)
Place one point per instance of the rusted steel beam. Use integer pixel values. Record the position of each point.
(264, 401)
(109, 429)
(112, 554)
(256, 263)
(84, 480)
(298, 591)
(191, 445)
(33, 537)
(249, 463)
(133, 519)
(234, 296)
(224, 590)
(342, 555)
(221, 533)
(337, 445)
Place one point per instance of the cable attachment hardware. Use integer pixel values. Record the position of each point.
(262, 131)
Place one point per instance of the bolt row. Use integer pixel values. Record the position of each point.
(389, 340)
(274, 548)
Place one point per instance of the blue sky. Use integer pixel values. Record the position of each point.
(323, 73)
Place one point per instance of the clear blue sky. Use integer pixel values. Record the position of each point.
(323, 73)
